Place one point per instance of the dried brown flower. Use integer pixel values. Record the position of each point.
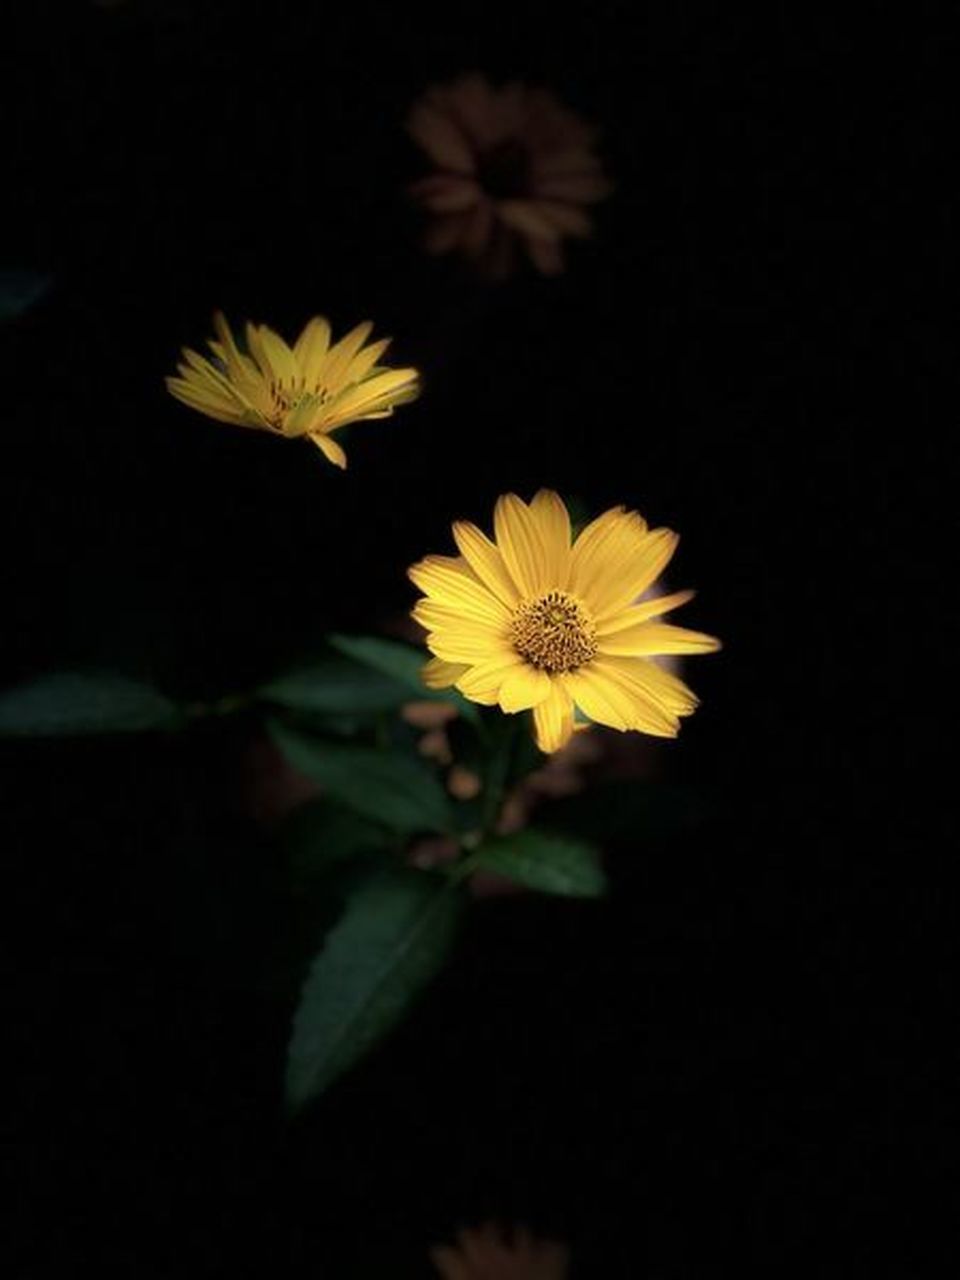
(514, 167)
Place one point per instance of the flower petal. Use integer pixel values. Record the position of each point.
(437, 674)
(483, 681)
(657, 685)
(526, 217)
(464, 645)
(330, 449)
(579, 188)
(600, 698)
(446, 193)
(210, 404)
(643, 612)
(451, 582)
(523, 688)
(275, 358)
(311, 349)
(485, 559)
(340, 356)
(440, 138)
(519, 542)
(601, 541)
(649, 639)
(649, 714)
(553, 719)
(372, 393)
(631, 569)
(553, 525)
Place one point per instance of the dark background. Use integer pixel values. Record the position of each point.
(717, 1071)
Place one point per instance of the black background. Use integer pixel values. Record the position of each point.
(717, 1071)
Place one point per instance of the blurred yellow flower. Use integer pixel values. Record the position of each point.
(308, 390)
(512, 167)
(486, 1253)
(535, 620)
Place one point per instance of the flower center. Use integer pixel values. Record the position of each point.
(287, 396)
(504, 170)
(553, 632)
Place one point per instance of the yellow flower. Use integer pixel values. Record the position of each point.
(487, 1253)
(531, 621)
(310, 389)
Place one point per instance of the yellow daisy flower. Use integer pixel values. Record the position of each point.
(535, 620)
(310, 389)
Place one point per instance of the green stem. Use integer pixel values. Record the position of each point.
(497, 773)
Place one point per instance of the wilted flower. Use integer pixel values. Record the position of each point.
(536, 620)
(308, 390)
(487, 1253)
(513, 165)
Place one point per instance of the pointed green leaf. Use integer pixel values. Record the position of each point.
(335, 685)
(391, 940)
(542, 860)
(404, 663)
(68, 703)
(396, 790)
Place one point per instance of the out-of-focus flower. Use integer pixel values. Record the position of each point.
(308, 390)
(535, 621)
(487, 1253)
(513, 167)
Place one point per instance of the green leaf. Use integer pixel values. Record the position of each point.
(396, 790)
(403, 663)
(335, 685)
(68, 703)
(391, 940)
(541, 860)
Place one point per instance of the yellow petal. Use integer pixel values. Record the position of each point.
(311, 349)
(519, 542)
(434, 616)
(589, 544)
(238, 365)
(280, 364)
(364, 361)
(437, 674)
(465, 645)
(340, 356)
(600, 698)
(553, 719)
(485, 679)
(213, 408)
(523, 688)
(603, 556)
(330, 449)
(484, 558)
(652, 638)
(643, 612)
(451, 582)
(371, 393)
(636, 566)
(659, 686)
(553, 524)
(207, 380)
(647, 713)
